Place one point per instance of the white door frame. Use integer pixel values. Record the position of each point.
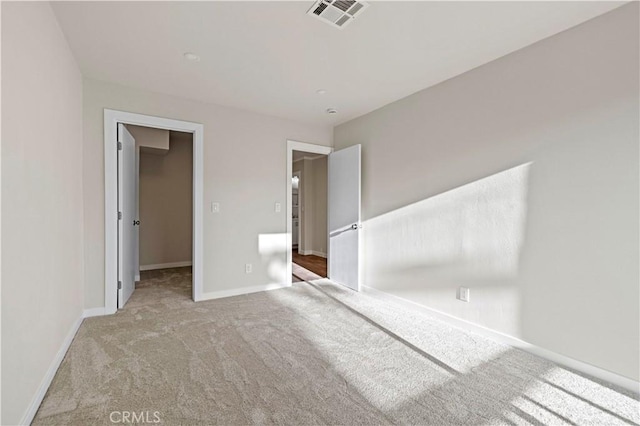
(305, 147)
(111, 120)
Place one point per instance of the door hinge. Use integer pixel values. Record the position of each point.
(119, 146)
(119, 285)
(119, 215)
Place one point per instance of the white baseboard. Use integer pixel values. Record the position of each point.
(240, 291)
(28, 416)
(165, 266)
(592, 370)
(312, 252)
(94, 312)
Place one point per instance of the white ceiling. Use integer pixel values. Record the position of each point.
(271, 57)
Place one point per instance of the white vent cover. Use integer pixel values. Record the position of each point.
(337, 13)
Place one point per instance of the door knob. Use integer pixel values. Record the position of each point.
(136, 222)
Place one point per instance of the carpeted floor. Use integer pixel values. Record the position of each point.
(310, 354)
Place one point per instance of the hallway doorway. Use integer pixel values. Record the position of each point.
(309, 216)
(307, 232)
(307, 268)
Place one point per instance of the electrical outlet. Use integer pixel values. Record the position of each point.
(215, 207)
(463, 294)
(278, 207)
(248, 268)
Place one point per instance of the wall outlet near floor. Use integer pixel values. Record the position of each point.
(463, 294)
(248, 268)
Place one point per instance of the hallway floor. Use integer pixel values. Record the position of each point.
(308, 267)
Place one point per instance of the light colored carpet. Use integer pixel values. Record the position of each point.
(309, 354)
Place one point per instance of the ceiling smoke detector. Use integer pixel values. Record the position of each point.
(190, 56)
(337, 13)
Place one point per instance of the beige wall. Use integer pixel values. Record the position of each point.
(150, 140)
(319, 182)
(519, 180)
(42, 210)
(307, 204)
(246, 195)
(166, 203)
(300, 166)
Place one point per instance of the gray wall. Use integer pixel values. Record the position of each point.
(518, 179)
(42, 214)
(166, 203)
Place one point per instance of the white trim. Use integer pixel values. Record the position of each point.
(165, 265)
(93, 312)
(111, 119)
(312, 252)
(240, 291)
(137, 277)
(28, 416)
(592, 370)
(305, 147)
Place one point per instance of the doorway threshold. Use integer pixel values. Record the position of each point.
(303, 273)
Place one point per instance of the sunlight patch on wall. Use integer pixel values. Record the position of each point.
(273, 250)
(474, 231)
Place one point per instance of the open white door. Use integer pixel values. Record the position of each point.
(344, 217)
(136, 251)
(126, 215)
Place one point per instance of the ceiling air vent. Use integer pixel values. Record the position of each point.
(337, 13)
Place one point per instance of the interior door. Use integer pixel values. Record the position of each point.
(127, 208)
(136, 250)
(344, 217)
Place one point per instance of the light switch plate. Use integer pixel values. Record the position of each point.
(463, 294)
(215, 207)
(278, 207)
